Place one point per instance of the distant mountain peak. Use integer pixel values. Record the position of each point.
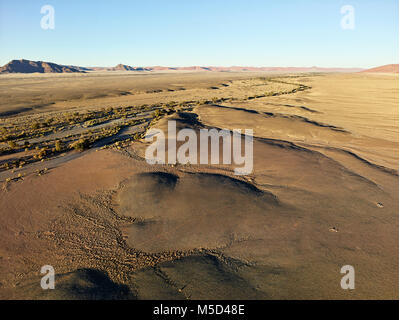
(27, 66)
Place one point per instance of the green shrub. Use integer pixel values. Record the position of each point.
(157, 113)
(42, 153)
(35, 125)
(12, 144)
(58, 146)
(81, 144)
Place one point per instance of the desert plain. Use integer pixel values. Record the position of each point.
(77, 194)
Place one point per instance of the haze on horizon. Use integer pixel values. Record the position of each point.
(180, 33)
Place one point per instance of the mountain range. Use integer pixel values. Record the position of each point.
(27, 66)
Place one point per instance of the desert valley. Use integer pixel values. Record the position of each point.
(78, 194)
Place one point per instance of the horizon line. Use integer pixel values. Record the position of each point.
(197, 65)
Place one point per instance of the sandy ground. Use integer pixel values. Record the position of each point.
(37, 93)
(323, 194)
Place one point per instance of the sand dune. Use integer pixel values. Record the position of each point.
(389, 68)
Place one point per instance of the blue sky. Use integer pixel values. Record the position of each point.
(201, 32)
